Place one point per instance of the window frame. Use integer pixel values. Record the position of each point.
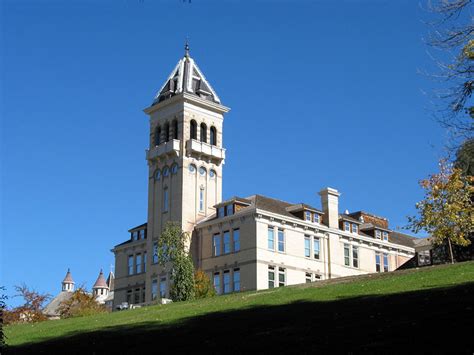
(307, 246)
(271, 232)
(217, 247)
(236, 281)
(236, 242)
(226, 246)
(166, 198)
(282, 242)
(316, 240)
(217, 285)
(131, 267)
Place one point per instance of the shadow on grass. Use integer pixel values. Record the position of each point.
(432, 320)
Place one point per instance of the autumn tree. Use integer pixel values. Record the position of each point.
(81, 303)
(203, 286)
(173, 252)
(31, 310)
(446, 212)
(3, 305)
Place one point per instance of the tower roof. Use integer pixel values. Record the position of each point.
(100, 283)
(110, 281)
(68, 278)
(186, 77)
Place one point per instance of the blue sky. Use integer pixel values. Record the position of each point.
(326, 93)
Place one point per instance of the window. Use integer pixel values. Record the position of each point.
(316, 248)
(166, 171)
(155, 252)
(307, 215)
(201, 199)
(135, 235)
(307, 246)
(193, 132)
(202, 171)
(229, 210)
(316, 218)
(236, 237)
(175, 129)
(236, 280)
(226, 281)
(347, 255)
(385, 236)
(158, 135)
(216, 243)
(226, 242)
(163, 287)
(157, 175)
(141, 234)
(136, 296)
(203, 132)
(129, 296)
(354, 228)
(212, 173)
(271, 277)
(385, 262)
(174, 169)
(309, 277)
(130, 264)
(220, 212)
(355, 256)
(192, 168)
(154, 289)
(213, 137)
(424, 258)
(138, 263)
(347, 226)
(378, 234)
(167, 132)
(271, 238)
(217, 283)
(144, 261)
(377, 261)
(165, 199)
(281, 277)
(281, 240)
(143, 294)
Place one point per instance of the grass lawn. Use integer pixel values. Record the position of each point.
(425, 310)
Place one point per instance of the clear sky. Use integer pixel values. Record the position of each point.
(323, 93)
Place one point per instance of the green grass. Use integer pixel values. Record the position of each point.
(370, 301)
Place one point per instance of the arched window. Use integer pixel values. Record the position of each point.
(167, 132)
(175, 129)
(193, 130)
(203, 133)
(158, 135)
(213, 136)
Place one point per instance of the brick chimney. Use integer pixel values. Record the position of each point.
(330, 205)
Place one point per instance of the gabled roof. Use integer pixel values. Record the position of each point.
(110, 281)
(100, 283)
(141, 226)
(68, 278)
(186, 77)
(402, 239)
(303, 206)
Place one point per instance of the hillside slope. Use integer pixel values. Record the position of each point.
(414, 310)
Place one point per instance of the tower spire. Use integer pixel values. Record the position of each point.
(186, 48)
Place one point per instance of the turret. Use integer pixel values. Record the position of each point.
(68, 283)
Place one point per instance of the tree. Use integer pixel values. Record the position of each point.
(202, 285)
(465, 158)
(452, 32)
(81, 303)
(31, 310)
(3, 298)
(446, 212)
(173, 251)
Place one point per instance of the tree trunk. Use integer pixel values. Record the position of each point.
(450, 251)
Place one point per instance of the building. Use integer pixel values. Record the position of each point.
(243, 243)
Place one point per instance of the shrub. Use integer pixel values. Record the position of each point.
(81, 303)
(203, 287)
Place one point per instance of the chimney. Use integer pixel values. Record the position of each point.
(330, 205)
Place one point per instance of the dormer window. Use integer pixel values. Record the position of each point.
(385, 236)
(307, 215)
(378, 234)
(355, 228)
(316, 218)
(135, 235)
(347, 226)
(141, 234)
(230, 210)
(220, 212)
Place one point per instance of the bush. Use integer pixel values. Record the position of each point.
(31, 311)
(81, 303)
(203, 287)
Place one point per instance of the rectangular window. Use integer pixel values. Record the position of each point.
(165, 200)
(201, 199)
(385, 236)
(135, 235)
(355, 229)
(316, 218)
(144, 261)
(281, 277)
(226, 242)
(347, 226)
(271, 277)
(236, 280)
(378, 234)
(220, 212)
(236, 236)
(129, 296)
(227, 281)
(271, 238)
(143, 294)
(216, 243)
(141, 234)
(307, 246)
(309, 277)
(316, 247)
(385, 262)
(229, 210)
(155, 252)
(281, 240)
(355, 256)
(154, 289)
(217, 283)
(138, 263)
(130, 264)
(163, 287)
(347, 261)
(307, 215)
(377, 261)
(136, 296)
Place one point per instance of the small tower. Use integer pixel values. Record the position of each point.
(100, 290)
(68, 283)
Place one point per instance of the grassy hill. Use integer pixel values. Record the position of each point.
(425, 310)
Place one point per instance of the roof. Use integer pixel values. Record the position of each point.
(138, 227)
(370, 226)
(52, 309)
(346, 217)
(110, 281)
(402, 239)
(100, 282)
(303, 206)
(68, 278)
(233, 200)
(186, 77)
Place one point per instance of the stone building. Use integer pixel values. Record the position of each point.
(243, 243)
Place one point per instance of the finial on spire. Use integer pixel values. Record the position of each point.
(186, 48)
